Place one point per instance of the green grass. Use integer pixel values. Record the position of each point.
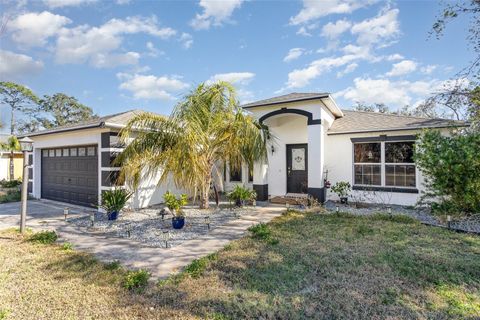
(334, 266)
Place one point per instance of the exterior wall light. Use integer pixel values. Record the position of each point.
(273, 149)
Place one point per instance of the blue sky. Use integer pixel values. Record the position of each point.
(120, 55)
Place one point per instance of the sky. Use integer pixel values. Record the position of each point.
(119, 55)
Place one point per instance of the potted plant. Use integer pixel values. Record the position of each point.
(240, 195)
(113, 201)
(175, 204)
(342, 188)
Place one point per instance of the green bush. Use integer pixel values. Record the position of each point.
(10, 183)
(241, 194)
(136, 280)
(11, 196)
(198, 266)
(43, 237)
(262, 231)
(114, 200)
(67, 246)
(342, 188)
(114, 265)
(451, 166)
(175, 203)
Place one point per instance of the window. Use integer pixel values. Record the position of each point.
(387, 164)
(58, 152)
(235, 174)
(45, 153)
(73, 152)
(65, 152)
(367, 164)
(399, 165)
(51, 153)
(90, 151)
(81, 152)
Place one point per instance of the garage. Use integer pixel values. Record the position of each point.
(70, 174)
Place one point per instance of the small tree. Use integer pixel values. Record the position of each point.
(19, 99)
(451, 166)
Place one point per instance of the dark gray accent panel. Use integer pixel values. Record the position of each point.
(72, 179)
(105, 139)
(30, 173)
(385, 138)
(107, 159)
(309, 115)
(317, 193)
(385, 189)
(30, 187)
(262, 191)
(109, 178)
(30, 159)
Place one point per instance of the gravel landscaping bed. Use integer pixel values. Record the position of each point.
(470, 224)
(147, 226)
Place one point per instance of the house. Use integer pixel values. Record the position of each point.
(5, 161)
(313, 141)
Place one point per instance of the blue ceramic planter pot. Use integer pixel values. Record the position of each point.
(178, 222)
(113, 215)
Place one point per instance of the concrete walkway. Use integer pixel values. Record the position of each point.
(161, 262)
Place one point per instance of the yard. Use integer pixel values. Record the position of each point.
(301, 266)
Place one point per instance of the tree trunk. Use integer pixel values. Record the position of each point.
(12, 132)
(205, 192)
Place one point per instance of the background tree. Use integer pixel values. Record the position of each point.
(19, 98)
(459, 96)
(54, 111)
(206, 128)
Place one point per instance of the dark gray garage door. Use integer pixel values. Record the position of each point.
(70, 174)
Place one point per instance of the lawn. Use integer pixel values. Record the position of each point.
(298, 266)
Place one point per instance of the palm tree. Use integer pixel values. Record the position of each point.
(206, 128)
(11, 145)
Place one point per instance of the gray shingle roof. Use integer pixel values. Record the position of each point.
(116, 119)
(291, 97)
(361, 121)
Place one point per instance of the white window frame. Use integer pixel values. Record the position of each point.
(383, 164)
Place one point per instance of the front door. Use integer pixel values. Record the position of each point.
(297, 168)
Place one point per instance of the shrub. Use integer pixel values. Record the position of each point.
(114, 200)
(67, 246)
(198, 266)
(262, 231)
(11, 196)
(342, 188)
(114, 265)
(451, 166)
(43, 237)
(175, 203)
(241, 194)
(10, 183)
(136, 280)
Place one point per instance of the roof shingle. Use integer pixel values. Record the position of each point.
(362, 121)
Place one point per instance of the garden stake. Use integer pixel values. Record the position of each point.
(65, 213)
(449, 222)
(92, 218)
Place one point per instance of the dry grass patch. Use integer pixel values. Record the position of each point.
(323, 266)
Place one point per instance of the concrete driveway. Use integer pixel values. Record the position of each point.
(39, 212)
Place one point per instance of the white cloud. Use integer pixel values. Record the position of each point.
(66, 3)
(314, 9)
(16, 66)
(303, 32)
(384, 26)
(98, 44)
(402, 68)
(152, 87)
(187, 40)
(333, 30)
(214, 13)
(392, 93)
(293, 54)
(394, 57)
(152, 51)
(348, 69)
(33, 29)
(428, 69)
(233, 77)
